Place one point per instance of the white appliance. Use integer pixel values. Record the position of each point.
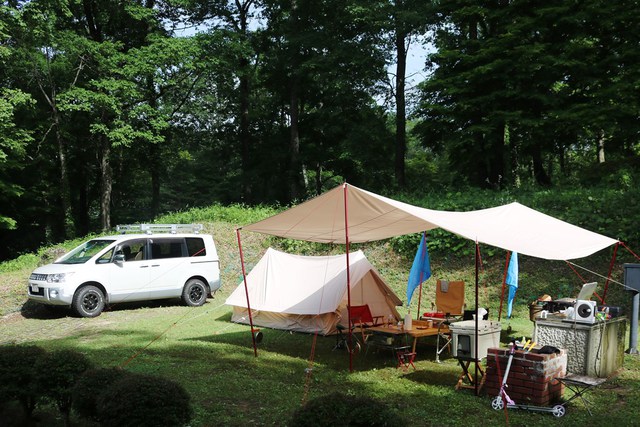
(584, 312)
(464, 338)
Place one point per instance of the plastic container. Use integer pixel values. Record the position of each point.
(464, 338)
(408, 323)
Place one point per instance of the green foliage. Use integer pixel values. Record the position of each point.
(234, 214)
(339, 409)
(57, 373)
(18, 378)
(90, 387)
(144, 401)
(13, 142)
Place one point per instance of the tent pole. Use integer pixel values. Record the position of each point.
(504, 281)
(346, 240)
(613, 260)
(246, 292)
(477, 318)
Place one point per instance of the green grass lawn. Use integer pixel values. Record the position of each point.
(214, 360)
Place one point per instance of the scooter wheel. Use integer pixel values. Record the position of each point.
(497, 403)
(559, 411)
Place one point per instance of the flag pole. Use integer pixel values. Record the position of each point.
(419, 297)
(424, 237)
(504, 283)
(246, 292)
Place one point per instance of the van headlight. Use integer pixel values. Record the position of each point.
(58, 277)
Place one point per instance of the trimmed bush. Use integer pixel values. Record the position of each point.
(90, 386)
(58, 372)
(338, 409)
(18, 377)
(144, 401)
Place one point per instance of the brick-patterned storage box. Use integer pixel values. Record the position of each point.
(532, 376)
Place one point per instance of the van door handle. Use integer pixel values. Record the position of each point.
(156, 265)
(144, 266)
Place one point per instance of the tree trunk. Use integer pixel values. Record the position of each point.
(245, 136)
(539, 173)
(154, 170)
(65, 194)
(601, 141)
(401, 120)
(106, 184)
(294, 142)
(318, 178)
(65, 228)
(294, 116)
(496, 172)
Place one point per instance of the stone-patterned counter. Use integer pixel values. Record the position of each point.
(595, 350)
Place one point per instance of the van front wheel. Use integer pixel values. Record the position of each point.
(88, 301)
(194, 293)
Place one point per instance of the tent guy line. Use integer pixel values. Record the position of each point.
(595, 274)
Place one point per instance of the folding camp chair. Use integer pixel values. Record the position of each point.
(450, 301)
(361, 318)
(579, 385)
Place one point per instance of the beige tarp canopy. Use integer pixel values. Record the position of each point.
(309, 293)
(370, 217)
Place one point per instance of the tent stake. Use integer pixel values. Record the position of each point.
(246, 291)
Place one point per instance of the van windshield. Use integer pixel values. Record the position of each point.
(84, 252)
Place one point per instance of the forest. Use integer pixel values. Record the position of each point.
(117, 111)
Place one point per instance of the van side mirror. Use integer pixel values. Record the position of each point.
(118, 258)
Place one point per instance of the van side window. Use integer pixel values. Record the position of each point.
(167, 248)
(105, 258)
(133, 250)
(195, 246)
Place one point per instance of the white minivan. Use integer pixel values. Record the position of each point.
(159, 262)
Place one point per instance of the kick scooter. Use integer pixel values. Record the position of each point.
(498, 402)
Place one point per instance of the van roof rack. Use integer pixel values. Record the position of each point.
(159, 228)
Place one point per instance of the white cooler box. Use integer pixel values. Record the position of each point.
(464, 338)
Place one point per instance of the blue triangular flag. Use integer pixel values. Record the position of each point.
(420, 270)
(512, 281)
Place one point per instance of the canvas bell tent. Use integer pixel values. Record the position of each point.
(309, 293)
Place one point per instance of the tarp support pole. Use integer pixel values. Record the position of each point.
(477, 318)
(606, 284)
(246, 292)
(504, 284)
(346, 240)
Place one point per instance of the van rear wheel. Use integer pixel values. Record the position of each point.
(194, 293)
(88, 301)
